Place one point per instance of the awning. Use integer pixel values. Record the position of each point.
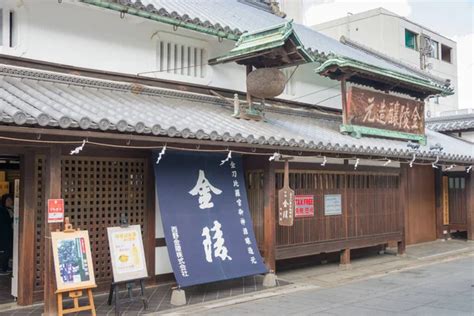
(39, 98)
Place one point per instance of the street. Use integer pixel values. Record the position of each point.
(445, 288)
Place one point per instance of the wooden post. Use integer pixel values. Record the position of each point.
(344, 99)
(26, 250)
(149, 237)
(470, 205)
(269, 225)
(404, 173)
(345, 257)
(52, 188)
(248, 69)
(439, 203)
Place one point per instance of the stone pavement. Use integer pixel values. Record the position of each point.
(445, 288)
(431, 275)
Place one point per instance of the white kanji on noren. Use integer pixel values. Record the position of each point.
(220, 250)
(204, 189)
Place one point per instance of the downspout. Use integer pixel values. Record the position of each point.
(155, 17)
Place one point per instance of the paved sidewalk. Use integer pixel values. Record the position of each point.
(372, 266)
(439, 289)
(379, 275)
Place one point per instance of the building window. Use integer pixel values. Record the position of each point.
(411, 40)
(434, 53)
(446, 53)
(181, 59)
(8, 28)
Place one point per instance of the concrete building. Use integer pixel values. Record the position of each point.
(394, 37)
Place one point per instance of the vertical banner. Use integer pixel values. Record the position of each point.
(206, 220)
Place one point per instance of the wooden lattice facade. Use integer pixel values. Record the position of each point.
(96, 190)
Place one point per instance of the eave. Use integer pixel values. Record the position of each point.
(380, 78)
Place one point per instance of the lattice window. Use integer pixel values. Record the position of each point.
(95, 192)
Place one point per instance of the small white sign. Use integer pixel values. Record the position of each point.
(332, 204)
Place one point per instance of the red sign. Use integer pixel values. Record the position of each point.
(304, 205)
(55, 210)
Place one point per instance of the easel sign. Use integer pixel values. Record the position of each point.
(73, 268)
(126, 253)
(72, 260)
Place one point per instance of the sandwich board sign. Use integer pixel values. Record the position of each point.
(126, 253)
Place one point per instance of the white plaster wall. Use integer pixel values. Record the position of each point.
(162, 259)
(86, 36)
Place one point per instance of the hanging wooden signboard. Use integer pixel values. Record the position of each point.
(382, 114)
(286, 200)
(126, 253)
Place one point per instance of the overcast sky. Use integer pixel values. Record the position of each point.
(451, 18)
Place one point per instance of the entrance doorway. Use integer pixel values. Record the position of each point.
(9, 226)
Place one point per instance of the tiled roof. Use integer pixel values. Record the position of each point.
(452, 123)
(39, 98)
(234, 17)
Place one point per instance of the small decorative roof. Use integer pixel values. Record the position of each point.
(379, 78)
(276, 46)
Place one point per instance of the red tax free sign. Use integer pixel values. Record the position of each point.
(304, 205)
(55, 211)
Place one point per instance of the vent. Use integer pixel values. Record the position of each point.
(181, 59)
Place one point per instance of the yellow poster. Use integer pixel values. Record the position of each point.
(126, 252)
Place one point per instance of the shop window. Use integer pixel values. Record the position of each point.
(181, 59)
(446, 53)
(463, 184)
(411, 39)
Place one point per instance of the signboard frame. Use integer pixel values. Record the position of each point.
(354, 125)
(83, 236)
(286, 200)
(112, 234)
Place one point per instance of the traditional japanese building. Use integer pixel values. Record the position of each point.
(88, 119)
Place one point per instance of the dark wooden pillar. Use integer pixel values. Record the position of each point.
(150, 218)
(26, 250)
(439, 203)
(52, 187)
(269, 223)
(404, 204)
(470, 205)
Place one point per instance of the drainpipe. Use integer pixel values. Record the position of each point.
(163, 19)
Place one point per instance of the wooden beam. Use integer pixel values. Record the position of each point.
(26, 250)
(470, 205)
(269, 222)
(52, 187)
(404, 205)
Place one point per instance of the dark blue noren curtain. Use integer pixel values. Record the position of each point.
(206, 220)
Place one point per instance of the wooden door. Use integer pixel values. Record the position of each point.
(420, 218)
